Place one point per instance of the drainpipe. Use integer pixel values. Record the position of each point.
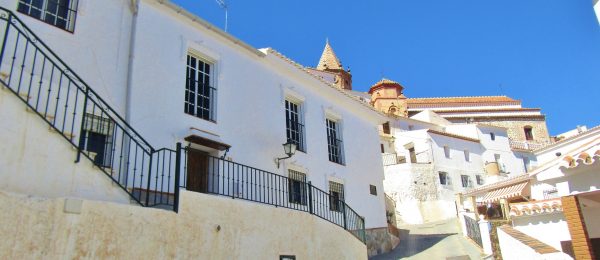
(134, 6)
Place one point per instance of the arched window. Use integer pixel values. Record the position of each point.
(528, 133)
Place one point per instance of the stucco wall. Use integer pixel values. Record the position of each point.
(205, 228)
(549, 228)
(513, 249)
(247, 82)
(40, 162)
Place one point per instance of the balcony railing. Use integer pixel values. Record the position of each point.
(212, 175)
(392, 159)
(526, 145)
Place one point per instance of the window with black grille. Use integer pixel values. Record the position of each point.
(294, 125)
(60, 13)
(199, 94)
(373, 189)
(334, 142)
(297, 187)
(336, 196)
(97, 139)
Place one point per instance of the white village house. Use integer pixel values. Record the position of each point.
(550, 212)
(119, 80)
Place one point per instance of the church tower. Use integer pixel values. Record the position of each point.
(387, 97)
(331, 69)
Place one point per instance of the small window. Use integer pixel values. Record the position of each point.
(466, 181)
(334, 142)
(336, 196)
(412, 154)
(297, 187)
(97, 139)
(467, 156)
(411, 127)
(386, 128)
(492, 136)
(59, 13)
(444, 178)
(479, 180)
(294, 124)
(373, 189)
(528, 133)
(447, 151)
(382, 149)
(287, 257)
(199, 93)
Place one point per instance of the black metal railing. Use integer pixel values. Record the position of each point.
(213, 175)
(50, 89)
(473, 230)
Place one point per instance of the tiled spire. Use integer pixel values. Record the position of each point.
(328, 59)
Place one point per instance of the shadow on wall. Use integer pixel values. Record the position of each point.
(412, 244)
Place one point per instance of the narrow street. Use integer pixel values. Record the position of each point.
(433, 241)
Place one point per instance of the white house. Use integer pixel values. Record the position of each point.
(151, 75)
(432, 159)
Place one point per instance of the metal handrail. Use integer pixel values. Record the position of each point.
(238, 181)
(53, 91)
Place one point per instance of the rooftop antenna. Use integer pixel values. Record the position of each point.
(223, 5)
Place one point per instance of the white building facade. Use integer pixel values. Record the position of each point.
(177, 79)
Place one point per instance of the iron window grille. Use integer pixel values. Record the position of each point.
(336, 196)
(97, 138)
(334, 142)
(297, 187)
(294, 126)
(466, 181)
(59, 13)
(199, 94)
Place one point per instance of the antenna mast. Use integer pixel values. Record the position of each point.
(223, 5)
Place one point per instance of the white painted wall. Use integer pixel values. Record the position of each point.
(98, 48)
(548, 228)
(40, 162)
(590, 215)
(251, 90)
(513, 249)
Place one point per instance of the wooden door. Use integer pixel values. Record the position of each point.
(197, 171)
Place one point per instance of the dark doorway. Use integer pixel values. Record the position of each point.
(197, 171)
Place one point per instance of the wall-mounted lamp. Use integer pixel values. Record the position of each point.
(289, 148)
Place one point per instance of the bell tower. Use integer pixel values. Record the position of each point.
(330, 63)
(387, 97)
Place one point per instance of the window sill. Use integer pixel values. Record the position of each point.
(195, 117)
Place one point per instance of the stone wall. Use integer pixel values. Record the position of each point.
(380, 241)
(206, 227)
(516, 128)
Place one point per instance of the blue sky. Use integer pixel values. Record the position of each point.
(545, 53)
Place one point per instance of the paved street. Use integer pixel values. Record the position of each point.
(432, 241)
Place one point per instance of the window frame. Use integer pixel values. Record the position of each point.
(209, 91)
(336, 196)
(479, 179)
(335, 143)
(528, 131)
(466, 178)
(444, 176)
(297, 180)
(297, 115)
(26, 6)
(386, 128)
(373, 189)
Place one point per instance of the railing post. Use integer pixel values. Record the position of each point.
(177, 176)
(6, 31)
(81, 131)
(310, 200)
(149, 177)
(364, 233)
(344, 212)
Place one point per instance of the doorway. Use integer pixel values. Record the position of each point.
(197, 171)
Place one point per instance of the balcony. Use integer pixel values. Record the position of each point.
(526, 145)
